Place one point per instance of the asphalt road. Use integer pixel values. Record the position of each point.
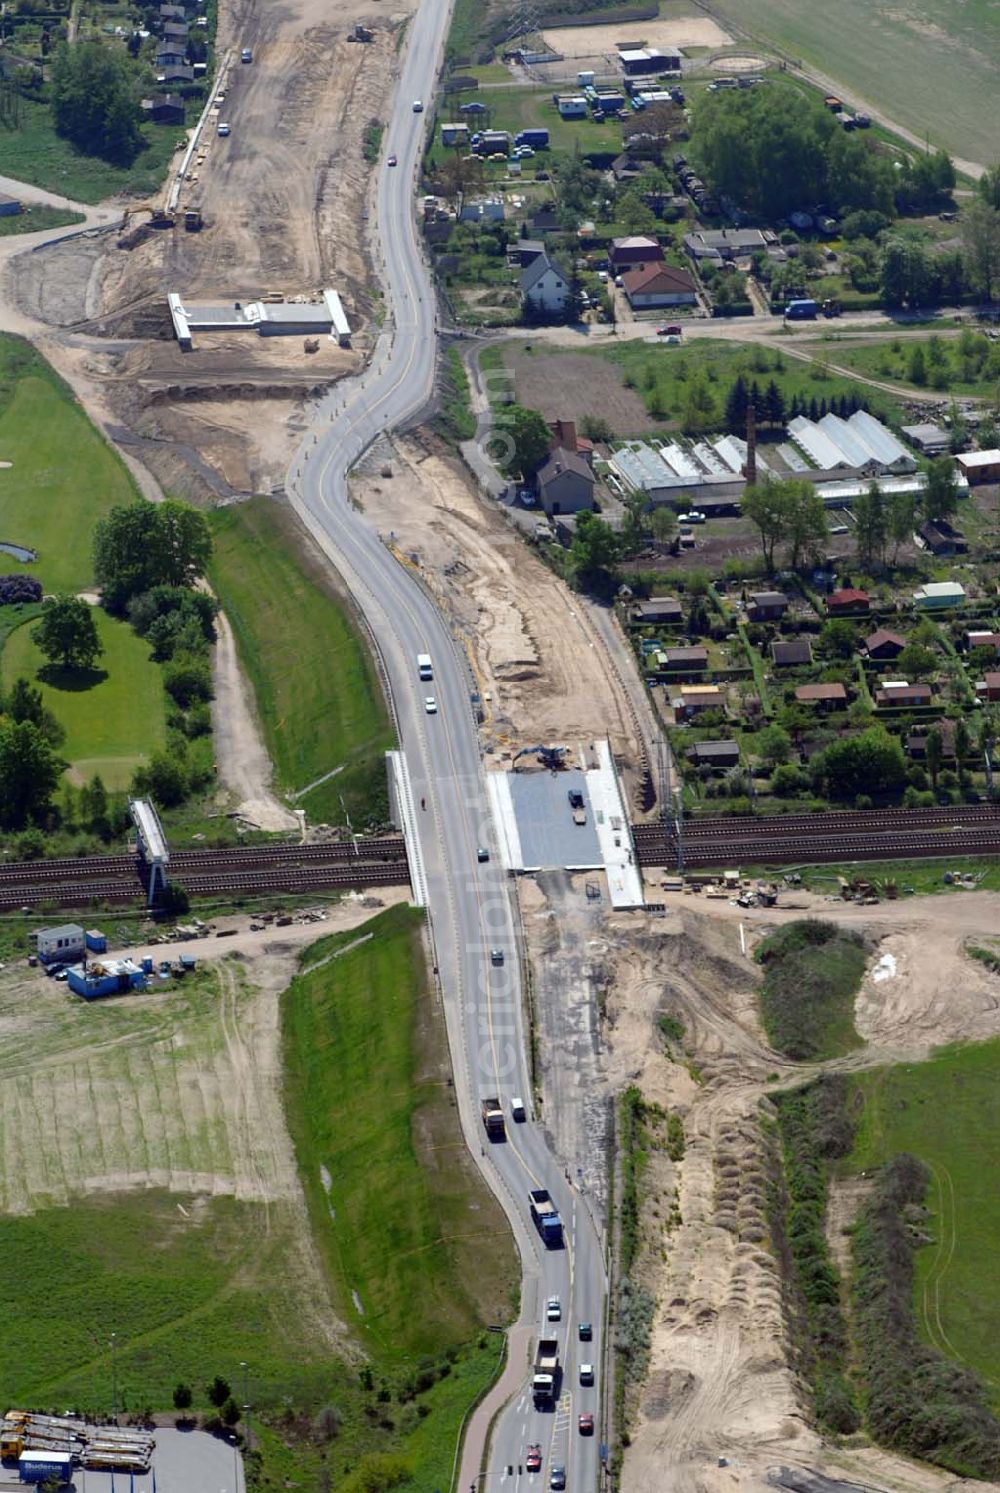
(470, 904)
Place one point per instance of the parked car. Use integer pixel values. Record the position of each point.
(670, 329)
(691, 518)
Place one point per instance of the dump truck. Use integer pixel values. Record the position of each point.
(546, 1216)
(193, 220)
(545, 1376)
(493, 1118)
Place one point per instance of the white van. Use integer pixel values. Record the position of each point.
(517, 1108)
(425, 669)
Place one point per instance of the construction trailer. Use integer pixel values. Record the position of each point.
(61, 945)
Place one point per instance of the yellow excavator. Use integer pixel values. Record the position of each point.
(159, 217)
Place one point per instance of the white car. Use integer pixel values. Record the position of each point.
(418, 106)
(691, 518)
(586, 1373)
(553, 1309)
(246, 55)
(223, 129)
(430, 705)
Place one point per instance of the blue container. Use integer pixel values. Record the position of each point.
(147, 965)
(96, 941)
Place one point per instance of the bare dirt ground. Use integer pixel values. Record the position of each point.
(567, 386)
(283, 199)
(241, 757)
(592, 41)
(529, 643)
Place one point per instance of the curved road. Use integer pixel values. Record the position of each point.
(470, 903)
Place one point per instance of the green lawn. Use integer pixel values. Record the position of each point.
(931, 67)
(35, 153)
(113, 715)
(64, 475)
(947, 1112)
(526, 108)
(379, 1149)
(316, 686)
(35, 219)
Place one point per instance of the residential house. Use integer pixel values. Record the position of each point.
(696, 699)
(793, 651)
(717, 245)
(164, 108)
(176, 31)
(976, 639)
(936, 596)
(650, 286)
(172, 13)
(527, 250)
(767, 606)
(979, 466)
(682, 662)
(482, 210)
(170, 56)
(898, 694)
(565, 483)
(988, 688)
(626, 168)
(883, 644)
(718, 755)
(627, 253)
(545, 220)
(916, 741)
(942, 538)
(564, 435)
(658, 609)
(826, 696)
(848, 599)
(175, 72)
(545, 287)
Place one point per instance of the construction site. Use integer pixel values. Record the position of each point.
(104, 1448)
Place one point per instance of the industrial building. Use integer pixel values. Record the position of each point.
(979, 466)
(858, 444)
(108, 977)
(639, 62)
(267, 318)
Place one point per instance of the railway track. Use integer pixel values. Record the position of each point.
(889, 821)
(242, 870)
(776, 844)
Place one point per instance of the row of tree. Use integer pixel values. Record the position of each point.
(772, 408)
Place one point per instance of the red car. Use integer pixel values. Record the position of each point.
(533, 1461)
(586, 1424)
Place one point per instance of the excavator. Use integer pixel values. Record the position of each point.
(551, 757)
(159, 217)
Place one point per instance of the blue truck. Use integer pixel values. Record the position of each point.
(803, 310)
(537, 139)
(546, 1217)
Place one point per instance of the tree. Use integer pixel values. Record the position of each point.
(594, 553)
(981, 243)
(94, 805)
(872, 526)
(737, 401)
(29, 773)
(963, 745)
(94, 103)
(871, 763)
(933, 754)
(664, 524)
(838, 638)
(635, 525)
(774, 745)
(183, 1396)
(143, 546)
(988, 186)
(901, 517)
(67, 633)
(775, 411)
(907, 271)
(526, 437)
(940, 497)
(218, 1392)
(164, 778)
(231, 1413)
(765, 506)
(807, 528)
(917, 370)
(699, 409)
(917, 661)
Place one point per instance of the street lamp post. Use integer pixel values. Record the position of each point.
(246, 1404)
(114, 1378)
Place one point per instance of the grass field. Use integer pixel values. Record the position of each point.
(64, 474)
(35, 219)
(947, 371)
(379, 1149)
(526, 108)
(113, 715)
(812, 972)
(931, 66)
(947, 1113)
(35, 153)
(316, 687)
(639, 386)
